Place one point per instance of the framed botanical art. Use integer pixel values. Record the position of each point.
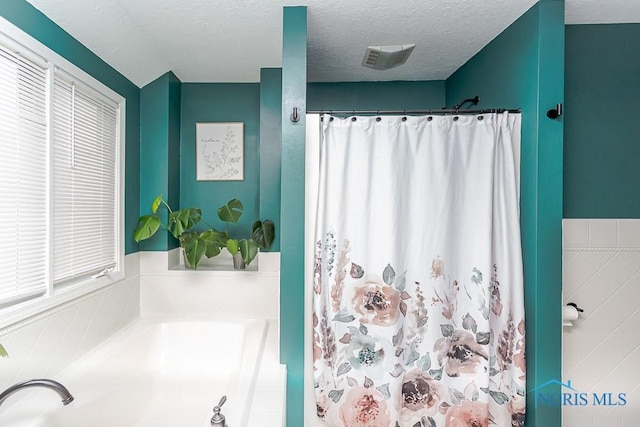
(220, 151)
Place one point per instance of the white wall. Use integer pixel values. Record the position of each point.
(42, 345)
(601, 353)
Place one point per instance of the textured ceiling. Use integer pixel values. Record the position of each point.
(229, 41)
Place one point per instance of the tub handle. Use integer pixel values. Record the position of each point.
(222, 400)
(218, 418)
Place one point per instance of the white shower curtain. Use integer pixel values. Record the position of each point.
(418, 314)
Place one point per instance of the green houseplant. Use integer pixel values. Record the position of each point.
(244, 250)
(180, 223)
(198, 244)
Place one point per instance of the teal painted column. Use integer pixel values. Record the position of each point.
(159, 152)
(544, 304)
(271, 147)
(294, 94)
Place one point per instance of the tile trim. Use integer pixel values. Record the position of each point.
(600, 249)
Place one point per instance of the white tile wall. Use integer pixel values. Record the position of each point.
(601, 352)
(41, 346)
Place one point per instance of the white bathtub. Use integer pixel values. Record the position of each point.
(155, 372)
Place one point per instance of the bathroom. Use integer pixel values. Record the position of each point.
(532, 69)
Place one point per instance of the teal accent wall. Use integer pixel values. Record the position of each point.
(271, 147)
(159, 146)
(602, 130)
(294, 94)
(524, 67)
(36, 24)
(391, 95)
(221, 102)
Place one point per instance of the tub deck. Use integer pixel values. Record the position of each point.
(155, 372)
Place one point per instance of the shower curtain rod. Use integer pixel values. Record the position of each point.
(444, 111)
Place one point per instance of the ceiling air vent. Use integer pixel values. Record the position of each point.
(385, 57)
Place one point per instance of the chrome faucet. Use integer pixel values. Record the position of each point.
(218, 418)
(53, 385)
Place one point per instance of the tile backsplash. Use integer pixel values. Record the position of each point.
(601, 352)
(41, 346)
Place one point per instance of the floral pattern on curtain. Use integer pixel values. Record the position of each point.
(414, 322)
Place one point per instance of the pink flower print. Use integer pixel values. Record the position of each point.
(460, 352)
(364, 407)
(468, 414)
(376, 302)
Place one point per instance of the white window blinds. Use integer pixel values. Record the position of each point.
(23, 178)
(85, 136)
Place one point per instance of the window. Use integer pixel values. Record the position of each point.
(60, 179)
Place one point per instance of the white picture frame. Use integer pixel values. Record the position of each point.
(220, 151)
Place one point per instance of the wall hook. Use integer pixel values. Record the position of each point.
(555, 113)
(295, 116)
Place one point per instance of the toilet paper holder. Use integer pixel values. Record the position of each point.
(574, 305)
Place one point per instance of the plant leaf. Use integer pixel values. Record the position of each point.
(195, 249)
(471, 392)
(3, 352)
(388, 275)
(384, 389)
(346, 338)
(352, 382)
(456, 396)
(403, 308)
(424, 363)
(469, 323)
(146, 227)
(156, 203)
(182, 220)
(343, 316)
(482, 338)
(499, 397)
(436, 374)
(264, 232)
(367, 382)
(401, 281)
(248, 249)
(397, 370)
(356, 271)
(232, 246)
(447, 330)
(231, 212)
(397, 338)
(363, 330)
(335, 395)
(344, 368)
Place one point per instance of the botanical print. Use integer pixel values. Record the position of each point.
(416, 349)
(219, 151)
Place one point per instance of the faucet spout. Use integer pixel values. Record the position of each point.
(50, 384)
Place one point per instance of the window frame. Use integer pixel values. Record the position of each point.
(16, 39)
